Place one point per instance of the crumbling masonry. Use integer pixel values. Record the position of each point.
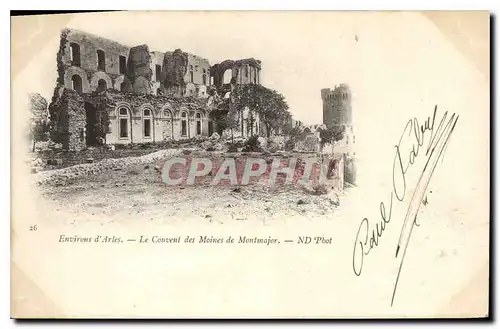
(108, 93)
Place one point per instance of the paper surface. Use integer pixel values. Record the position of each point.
(399, 66)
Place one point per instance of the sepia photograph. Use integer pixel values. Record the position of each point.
(250, 164)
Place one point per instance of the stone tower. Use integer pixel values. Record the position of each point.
(337, 109)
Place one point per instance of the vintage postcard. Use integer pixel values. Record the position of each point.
(261, 164)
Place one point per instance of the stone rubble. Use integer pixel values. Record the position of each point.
(61, 176)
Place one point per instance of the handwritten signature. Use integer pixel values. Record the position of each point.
(413, 138)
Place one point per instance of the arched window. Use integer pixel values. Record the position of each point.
(198, 124)
(123, 86)
(77, 83)
(101, 61)
(167, 114)
(147, 123)
(123, 64)
(75, 54)
(183, 124)
(123, 122)
(159, 92)
(228, 75)
(158, 73)
(101, 85)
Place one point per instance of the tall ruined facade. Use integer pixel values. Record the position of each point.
(185, 74)
(229, 73)
(108, 93)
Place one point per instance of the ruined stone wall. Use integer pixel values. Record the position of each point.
(87, 68)
(185, 74)
(133, 72)
(200, 67)
(165, 115)
(69, 118)
(156, 80)
(243, 71)
(175, 65)
(89, 44)
(181, 74)
(139, 69)
(246, 74)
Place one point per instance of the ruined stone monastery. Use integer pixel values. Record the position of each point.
(139, 95)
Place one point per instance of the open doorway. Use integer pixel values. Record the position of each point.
(210, 128)
(91, 127)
